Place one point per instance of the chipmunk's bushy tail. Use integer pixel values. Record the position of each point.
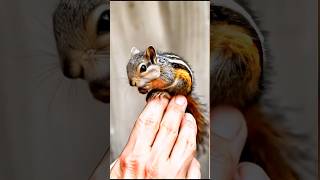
(197, 109)
(267, 146)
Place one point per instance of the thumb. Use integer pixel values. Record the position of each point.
(229, 136)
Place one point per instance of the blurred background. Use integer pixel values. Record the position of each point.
(292, 35)
(292, 28)
(179, 27)
(50, 126)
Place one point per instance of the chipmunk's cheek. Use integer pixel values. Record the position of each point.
(159, 84)
(141, 83)
(153, 73)
(144, 82)
(144, 86)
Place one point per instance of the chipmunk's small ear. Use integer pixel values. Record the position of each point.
(134, 51)
(151, 54)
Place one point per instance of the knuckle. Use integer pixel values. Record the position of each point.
(169, 129)
(151, 169)
(147, 121)
(191, 144)
(123, 161)
(131, 161)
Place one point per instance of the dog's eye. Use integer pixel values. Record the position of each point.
(103, 25)
(143, 68)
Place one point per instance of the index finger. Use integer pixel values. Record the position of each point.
(146, 126)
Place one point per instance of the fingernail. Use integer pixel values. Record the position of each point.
(227, 122)
(180, 100)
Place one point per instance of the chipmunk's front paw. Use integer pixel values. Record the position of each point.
(158, 94)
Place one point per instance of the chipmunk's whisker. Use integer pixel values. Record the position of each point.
(104, 56)
(103, 52)
(102, 59)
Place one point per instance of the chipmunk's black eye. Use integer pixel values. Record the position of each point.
(161, 60)
(103, 25)
(143, 68)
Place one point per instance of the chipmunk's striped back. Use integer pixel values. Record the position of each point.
(177, 62)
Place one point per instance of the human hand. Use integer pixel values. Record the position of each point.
(156, 147)
(229, 136)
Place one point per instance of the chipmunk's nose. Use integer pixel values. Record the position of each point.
(72, 71)
(132, 83)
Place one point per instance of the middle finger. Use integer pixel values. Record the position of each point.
(169, 128)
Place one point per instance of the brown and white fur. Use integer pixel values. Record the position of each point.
(240, 67)
(82, 33)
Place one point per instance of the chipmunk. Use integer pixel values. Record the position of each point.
(239, 72)
(82, 33)
(166, 74)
